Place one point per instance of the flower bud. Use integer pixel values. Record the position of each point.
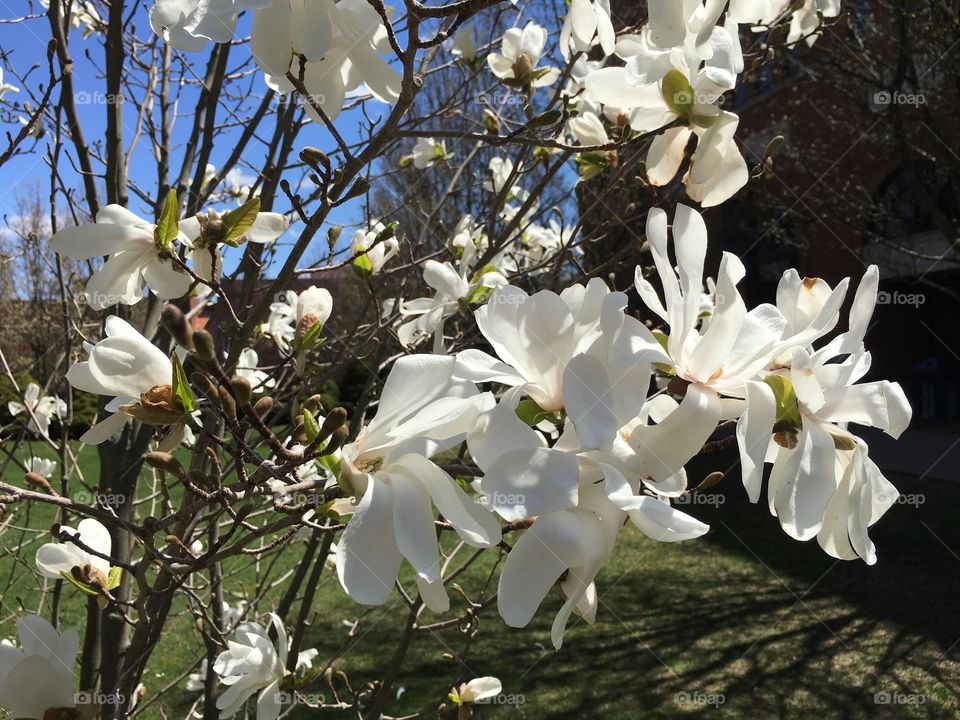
(166, 462)
(242, 390)
(39, 481)
(263, 405)
(337, 439)
(177, 325)
(523, 69)
(204, 385)
(227, 402)
(203, 345)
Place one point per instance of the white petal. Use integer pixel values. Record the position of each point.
(540, 556)
(524, 483)
(660, 522)
(367, 556)
(753, 435)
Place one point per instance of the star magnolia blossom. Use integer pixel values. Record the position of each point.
(587, 23)
(203, 245)
(477, 690)
(377, 253)
(56, 559)
(453, 288)
(38, 677)
(464, 44)
(730, 367)
(521, 51)
(423, 410)
(40, 409)
(599, 376)
(134, 259)
(823, 482)
(296, 314)
(427, 152)
(42, 467)
(253, 664)
(343, 44)
(127, 367)
(247, 368)
(679, 70)
(188, 24)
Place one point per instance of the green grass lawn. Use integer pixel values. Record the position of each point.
(742, 623)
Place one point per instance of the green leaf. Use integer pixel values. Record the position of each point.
(311, 338)
(530, 412)
(167, 229)
(362, 263)
(114, 578)
(677, 92)
(310, 427)
(82, 587)
(788, 410)
(239, 220)
(183, 398)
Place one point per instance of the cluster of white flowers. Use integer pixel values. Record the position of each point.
(584, 368)
(140, 252)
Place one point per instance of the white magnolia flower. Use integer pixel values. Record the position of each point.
(465, 43)
(296, 314)
(123, 365)
(196, 681)
(41, 466)
(804, 16)
(453, 288)
(521, 51)
(501, 170)
(537, 336)
(587, 23)
(188, 24)
(201, 236)
(580, 503)
(423, 410)
(588, 129)
(56, 559)
(683, 80)
(822, 482)
(378, 253)
(427, 152)
(134, 259)
(40, 409)
(342, 42)
(6, 87)
(37, 677)
(477, 690)
(253, 664)
(260, 380)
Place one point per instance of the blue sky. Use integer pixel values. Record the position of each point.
(23, 46)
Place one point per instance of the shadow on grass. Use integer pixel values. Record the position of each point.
(744, 623)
